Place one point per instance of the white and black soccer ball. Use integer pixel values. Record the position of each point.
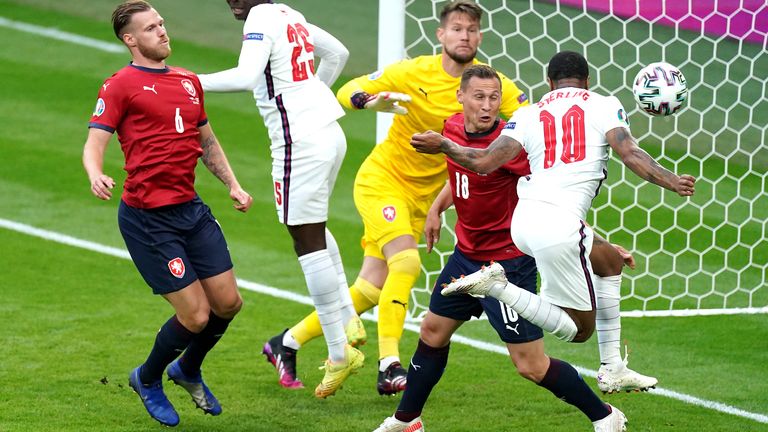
(660, 89)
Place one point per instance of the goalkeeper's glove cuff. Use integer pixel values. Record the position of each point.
(359, 99)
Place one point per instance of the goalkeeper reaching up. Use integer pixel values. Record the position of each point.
(395, 185)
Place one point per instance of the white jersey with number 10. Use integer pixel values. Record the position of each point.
(279, 48)
(564, 136)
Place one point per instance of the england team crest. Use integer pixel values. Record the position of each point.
(189, 87)
(389, 213)
(176, 266)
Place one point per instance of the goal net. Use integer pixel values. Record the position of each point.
(702, 255)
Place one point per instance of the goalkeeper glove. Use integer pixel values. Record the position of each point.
(383, 102)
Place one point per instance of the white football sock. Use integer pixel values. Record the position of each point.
(536, 310)
(347, 308)
(322, 282)
(608, 320)
(289, 341)
(386, 361)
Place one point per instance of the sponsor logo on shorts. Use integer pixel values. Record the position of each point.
(176, 266)
(100, 107)
(510, 125)
(253, 36)
(389, 213)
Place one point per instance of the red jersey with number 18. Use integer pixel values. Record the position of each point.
(156, 113)
(484, 203)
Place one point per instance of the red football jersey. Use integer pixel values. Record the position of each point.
(156, 113)
(484, 203)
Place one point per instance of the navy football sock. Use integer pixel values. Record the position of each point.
(425, 370)
(566, 383)
(201, 343)
(170, 341)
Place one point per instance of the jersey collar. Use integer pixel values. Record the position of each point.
(482, 134)
(150, 70)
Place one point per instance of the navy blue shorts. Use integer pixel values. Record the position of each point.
(511, 328)
(175, 245)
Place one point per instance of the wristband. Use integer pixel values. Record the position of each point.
(359, 99)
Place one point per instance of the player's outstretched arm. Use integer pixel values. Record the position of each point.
(332, 52)
(481, 161)
(216, 162)
(434, 223)
(254, 56)
(385, 101)
(379, 90)
(642, 164)
(93, 162)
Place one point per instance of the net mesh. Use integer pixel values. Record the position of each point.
(706, 252)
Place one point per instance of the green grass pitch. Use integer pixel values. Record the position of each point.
(74, 322)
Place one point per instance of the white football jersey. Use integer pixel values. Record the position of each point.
(564, 136)
(279, 54)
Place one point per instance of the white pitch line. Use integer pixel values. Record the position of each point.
(298, 298)
(57, 34)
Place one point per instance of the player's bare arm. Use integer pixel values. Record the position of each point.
(480, 161)
(642, 164)
(93, 161)
(216, 162)
(433, 224)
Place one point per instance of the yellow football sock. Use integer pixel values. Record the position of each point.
(364, 296)
(404, 268)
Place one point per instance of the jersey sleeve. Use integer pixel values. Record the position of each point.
(202, 120)
(512, 97)
(388, 79)
(333, 54)
(110, 106)
(515, 127)
(259, 34)
(613, 115)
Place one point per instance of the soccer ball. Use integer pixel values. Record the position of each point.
(660, 89)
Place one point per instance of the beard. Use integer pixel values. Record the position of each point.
(157, 53)
(461, 59)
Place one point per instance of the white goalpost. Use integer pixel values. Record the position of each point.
(700, 256)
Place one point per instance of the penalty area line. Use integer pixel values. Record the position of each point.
(298, 298)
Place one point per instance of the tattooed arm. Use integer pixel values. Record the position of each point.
(216, 162)
(642, 164)
(481, 161)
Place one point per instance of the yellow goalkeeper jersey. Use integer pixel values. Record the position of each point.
(433, 100)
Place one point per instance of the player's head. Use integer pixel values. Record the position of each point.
(459, 30)
(568, 68)
(480, 96)
(142, 30)
(240, 8)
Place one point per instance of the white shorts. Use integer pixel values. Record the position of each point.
(304, 173)
(560, 242)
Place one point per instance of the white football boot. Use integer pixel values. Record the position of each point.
(391, 424)
(615, 422)
(480, 283)
(618, 377)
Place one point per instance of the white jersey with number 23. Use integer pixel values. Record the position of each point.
(279, 52)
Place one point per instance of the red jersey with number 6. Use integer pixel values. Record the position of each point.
(484, 202)
(156, 113)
